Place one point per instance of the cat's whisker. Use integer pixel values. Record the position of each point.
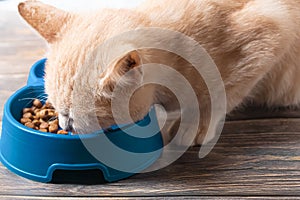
(26, 99)
(42, 97)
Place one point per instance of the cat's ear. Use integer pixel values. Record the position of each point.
(47, 20)
(128, 65)
(132, 60)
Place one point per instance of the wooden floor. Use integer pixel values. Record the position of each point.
(257, 156)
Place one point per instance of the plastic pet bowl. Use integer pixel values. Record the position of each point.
(117, 154)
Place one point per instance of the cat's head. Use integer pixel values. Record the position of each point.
(76, 82)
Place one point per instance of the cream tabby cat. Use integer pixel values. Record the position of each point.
(254, 43)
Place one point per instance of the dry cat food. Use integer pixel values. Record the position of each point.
(41, 117)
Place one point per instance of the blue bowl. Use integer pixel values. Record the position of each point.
(118, 153)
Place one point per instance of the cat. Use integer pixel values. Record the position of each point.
(255, 45)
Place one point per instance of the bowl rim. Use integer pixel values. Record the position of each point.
(14, 122)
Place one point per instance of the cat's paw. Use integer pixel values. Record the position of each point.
(184, 137)
(205, 137)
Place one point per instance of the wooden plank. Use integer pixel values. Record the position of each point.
(20, 46)
(8, 85)
(253, 111)
(13, 28)
(148, 198)
(256, 164)
(263, 125)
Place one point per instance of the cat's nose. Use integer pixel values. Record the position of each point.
(69, 125)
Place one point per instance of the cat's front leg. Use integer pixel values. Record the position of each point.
(191, 133)
(184, 138)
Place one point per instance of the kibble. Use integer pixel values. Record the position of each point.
(28, 115)
(27, 110)
(25, 120)
(29, 124)
(37, 103)
(36, 122)
(44, 125)
(53, 128)
(41, 117)
(62, 132)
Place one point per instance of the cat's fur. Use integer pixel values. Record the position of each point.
(254, 43)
